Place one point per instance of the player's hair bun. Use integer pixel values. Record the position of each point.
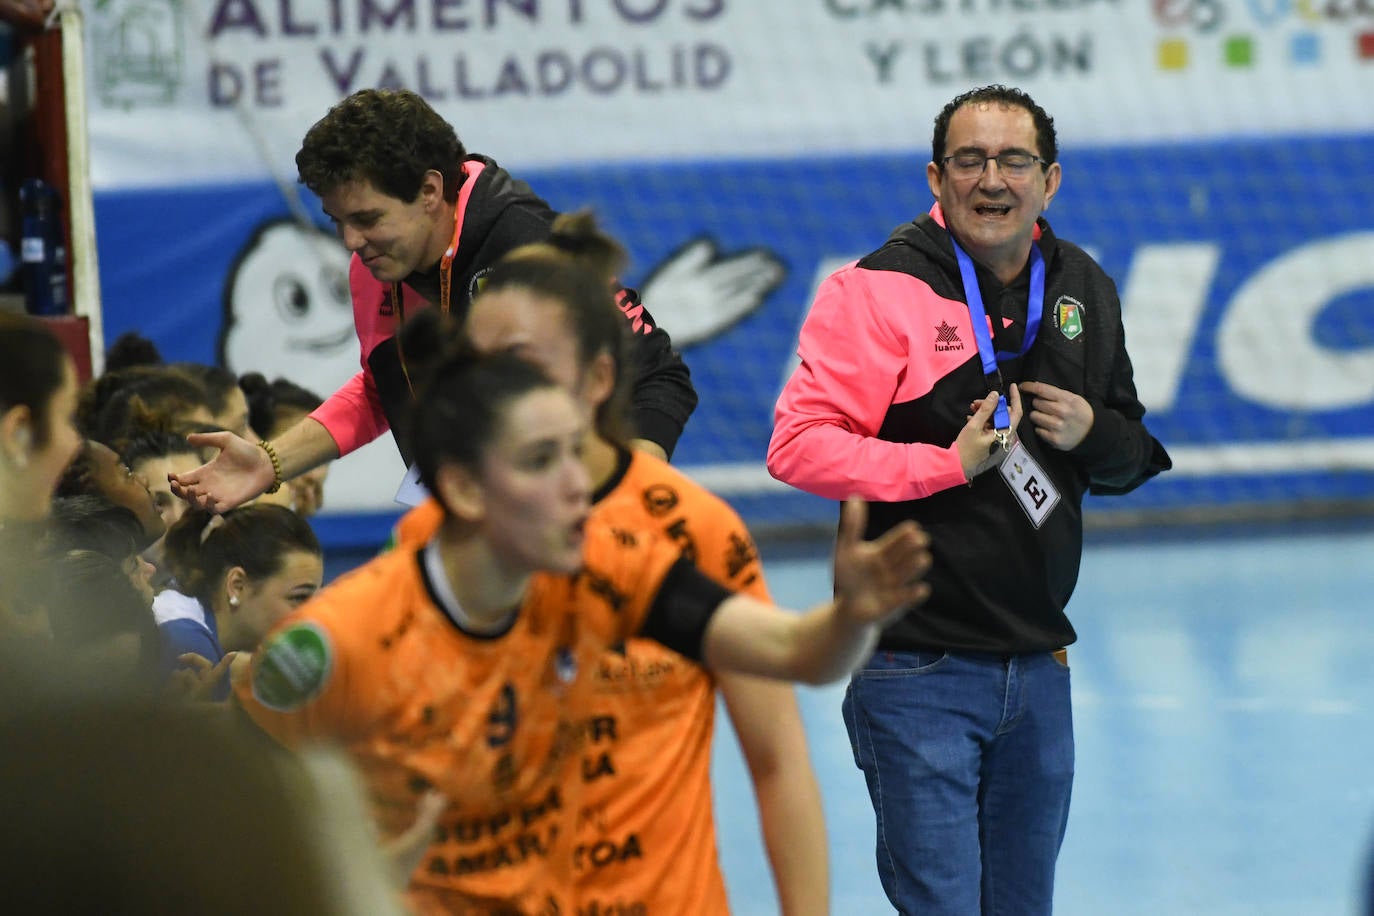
(577, 235)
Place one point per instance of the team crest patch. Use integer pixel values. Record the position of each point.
(1068, 313)
(294, 667)
(478, 281)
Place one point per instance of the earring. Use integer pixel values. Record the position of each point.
(233, 600)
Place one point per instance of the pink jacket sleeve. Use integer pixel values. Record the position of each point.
(353, 415)
(856, 362)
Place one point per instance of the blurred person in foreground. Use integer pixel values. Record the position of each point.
(971, 374)
(38, 404)
(462, 666)
(38, 439)
(101, 622)
(122, 806)
(646, 836)
(425, 221)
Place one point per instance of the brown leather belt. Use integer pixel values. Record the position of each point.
(1061, 656)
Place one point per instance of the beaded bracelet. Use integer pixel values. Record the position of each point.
(276, 465)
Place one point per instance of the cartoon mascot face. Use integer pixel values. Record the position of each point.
(287, 310)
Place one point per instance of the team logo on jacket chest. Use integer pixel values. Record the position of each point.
(947, 338)
(478, 281)
(1068, 316)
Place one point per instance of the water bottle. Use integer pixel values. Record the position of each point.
(42, 250)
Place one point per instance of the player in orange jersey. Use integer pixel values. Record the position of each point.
(646, 839)
(459, 666)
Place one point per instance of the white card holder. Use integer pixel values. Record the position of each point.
(1030, 484)
(412, 492)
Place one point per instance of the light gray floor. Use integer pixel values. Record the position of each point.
(1223, 691)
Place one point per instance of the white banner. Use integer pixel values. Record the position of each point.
(218, 90)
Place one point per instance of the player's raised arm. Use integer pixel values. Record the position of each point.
(874, 581)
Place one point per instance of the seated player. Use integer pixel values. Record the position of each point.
(234, 576)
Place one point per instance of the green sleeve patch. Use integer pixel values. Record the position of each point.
(294, 667)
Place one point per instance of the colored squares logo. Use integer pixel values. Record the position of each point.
(1242, 51)
(1239, 51)
(1173, 54)
(1236, 51)
(1305, 49)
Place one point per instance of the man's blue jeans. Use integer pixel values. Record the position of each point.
(969, 763)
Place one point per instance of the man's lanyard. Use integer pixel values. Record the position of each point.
(445, 291)
(982, 335)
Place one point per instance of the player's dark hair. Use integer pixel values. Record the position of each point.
(90, 598)
(92, 522)
(256, 537)
(217, 382)
(121, 405)
(1006, 96)
(575, 268)
(155, 443)
(79, 477)
(131, 349)
(269, 401)
(461, 403)
(32, 363)
(388, 138)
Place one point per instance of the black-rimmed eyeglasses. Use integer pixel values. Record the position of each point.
(1012, 164)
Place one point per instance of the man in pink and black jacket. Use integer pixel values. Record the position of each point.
(971, 374)
(425, 221)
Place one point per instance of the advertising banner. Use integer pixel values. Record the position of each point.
(743, 151)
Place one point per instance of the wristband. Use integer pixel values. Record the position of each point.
(276, 465)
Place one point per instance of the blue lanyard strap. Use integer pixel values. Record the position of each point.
(1035, 309)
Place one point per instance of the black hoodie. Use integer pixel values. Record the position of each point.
(999, 584)
(502, 214)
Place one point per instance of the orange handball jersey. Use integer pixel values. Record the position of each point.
(646, 840)
(495, 722)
